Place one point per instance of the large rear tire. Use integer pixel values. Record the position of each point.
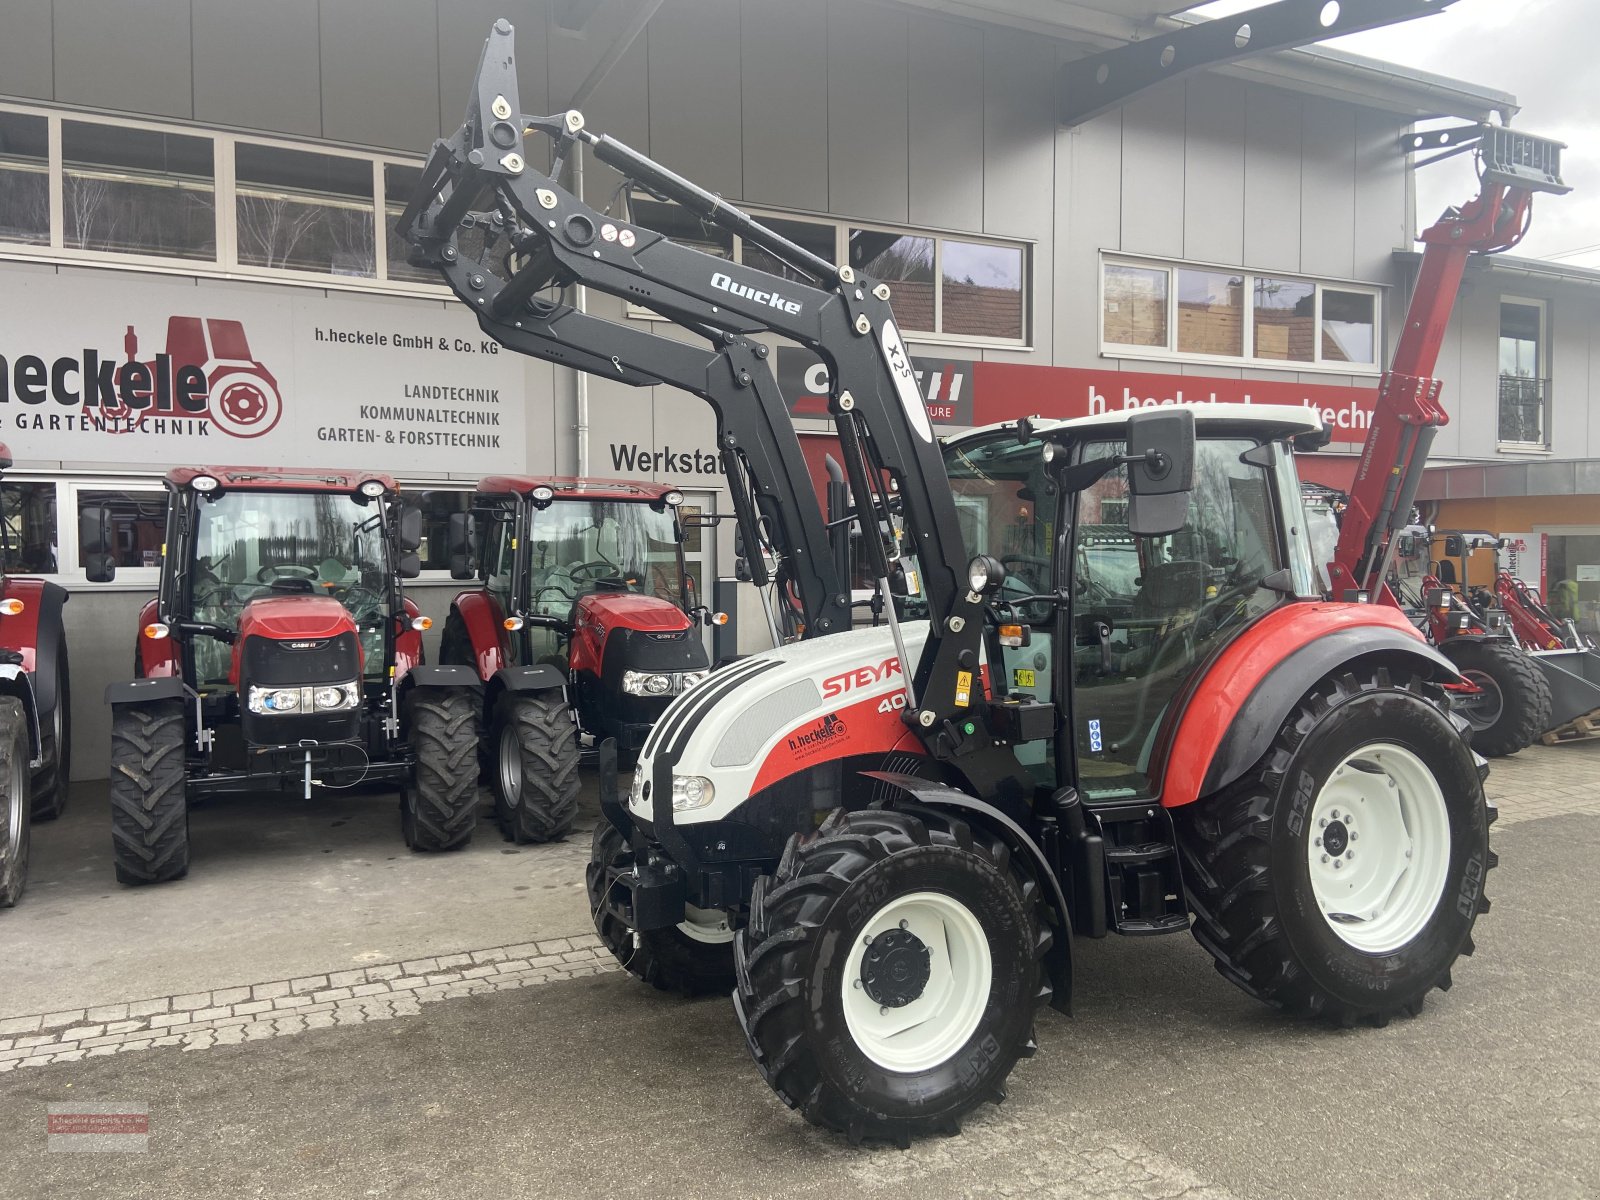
(694, 958)
(439, 807)
(535, 776)
(149, 793)
(1341, 877)
(888, 979)
(15, 812)
(50, 784)
(1514, 703)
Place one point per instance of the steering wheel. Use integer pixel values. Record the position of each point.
(593, 572)
(273, 572)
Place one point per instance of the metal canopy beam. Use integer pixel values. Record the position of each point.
(1092, 85)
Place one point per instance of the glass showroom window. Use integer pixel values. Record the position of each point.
(681, 225)
(1210, 312)
(905, 262)
(1349, 327)
(817, 238)
(29, 532)
(137, 191)
(1285, 316)
(399, 181)
(1524, 391)
(138, 524)
(980, 289)
(437, 508)
(24, 179)
(300, 211)
(1135, 305)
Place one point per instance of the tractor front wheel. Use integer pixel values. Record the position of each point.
(1511, 707)
(694, 958)
(149, 792)
(15, 825)
(535, 777)
(889, 975)
(439, 808)
(50, 784)
(1341, 877)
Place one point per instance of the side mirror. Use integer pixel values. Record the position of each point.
(99, 568)
(1405, 547)
(460, 533)
(897, 579)
(1160, 482)
(410, 531)
(689, 598)
(94, 530)
(1454, 545)
(410, 565)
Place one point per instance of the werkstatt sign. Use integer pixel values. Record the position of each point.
(154, 372)
(958, 392)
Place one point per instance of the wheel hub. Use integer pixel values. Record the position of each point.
(1335, 838)
(895, 968)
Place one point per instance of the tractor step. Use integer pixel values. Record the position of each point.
(1166, 923)
(1143, 882)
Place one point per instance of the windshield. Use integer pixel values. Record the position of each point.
(999, 487)
(248, 545)
(579, 546)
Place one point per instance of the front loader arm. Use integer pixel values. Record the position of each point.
(557, 240)
(1408, 414)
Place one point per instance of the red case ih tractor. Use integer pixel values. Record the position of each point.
(279, 653)
(886, 838)
(584, 584)
(35, 711)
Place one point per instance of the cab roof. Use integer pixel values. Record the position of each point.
(1270, 420)
(573, 487)
(281, 479)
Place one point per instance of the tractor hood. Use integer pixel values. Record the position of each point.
(295, 618)
(605, 611)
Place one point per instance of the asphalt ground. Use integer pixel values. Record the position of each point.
(1165, 1082)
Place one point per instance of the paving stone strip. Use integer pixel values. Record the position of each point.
(228, 1016)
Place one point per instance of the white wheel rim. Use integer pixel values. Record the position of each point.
(510, 765)
(706, 925)
(931, 1028)
(1379, 848)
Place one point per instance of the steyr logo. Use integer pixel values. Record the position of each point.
(724, 284)
(860, 677)
(206, 372)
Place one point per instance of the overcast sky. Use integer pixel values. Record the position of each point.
(1544, 52)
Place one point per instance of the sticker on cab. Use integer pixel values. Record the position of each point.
(1023, 678)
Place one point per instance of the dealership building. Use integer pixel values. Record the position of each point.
(203, 190)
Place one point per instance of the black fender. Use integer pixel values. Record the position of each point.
(938, 795)
(52, 599)
(540, 677)
(441, 675)
(139, 691)
(1275, 697)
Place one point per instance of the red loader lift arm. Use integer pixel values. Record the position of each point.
(1513, 166)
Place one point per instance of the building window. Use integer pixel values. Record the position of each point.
(137, 191)
(1170, 309)
(905, 262)
(29, 528)
(1524, 388)
(980, 289)
(24, 179)
(681, 225)
(304, 212)
(438, 505)
(399, 182)
(821, 240)
(138, 524)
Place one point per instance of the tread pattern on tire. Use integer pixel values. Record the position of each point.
(667, 959)
(441, 803)
(1524, 694)
(149, 801)
(548, 739)
(1225, 846)
(14, 745)
(788, 908)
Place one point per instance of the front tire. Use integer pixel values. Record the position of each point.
(1513, 707)
(693, 959)
(50, 784)
(1300, 909)
(535, 776)
(16, 827)
(149, 792)
(439, 808)
(888, 979)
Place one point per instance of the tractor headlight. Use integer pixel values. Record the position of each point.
(690, 792)
(338, 697)
(322, 698)
(274, 700)
(647, 683)
(690, 678)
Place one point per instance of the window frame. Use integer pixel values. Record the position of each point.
(1541, 376)
(1247, 358)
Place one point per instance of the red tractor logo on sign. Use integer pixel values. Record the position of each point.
(242, 396)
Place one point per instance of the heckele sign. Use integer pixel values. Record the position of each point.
(958, 392)
(151, 373)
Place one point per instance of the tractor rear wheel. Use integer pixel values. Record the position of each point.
(535, 776)
(694, 958)
(149, 792)
(439, 807)
(15, 824)
(889, 975)
(1341, 877)
(50, 784)
(1512, 706)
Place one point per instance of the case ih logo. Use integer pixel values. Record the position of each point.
(205, 374)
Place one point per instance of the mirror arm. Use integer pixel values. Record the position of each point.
(207, 629)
